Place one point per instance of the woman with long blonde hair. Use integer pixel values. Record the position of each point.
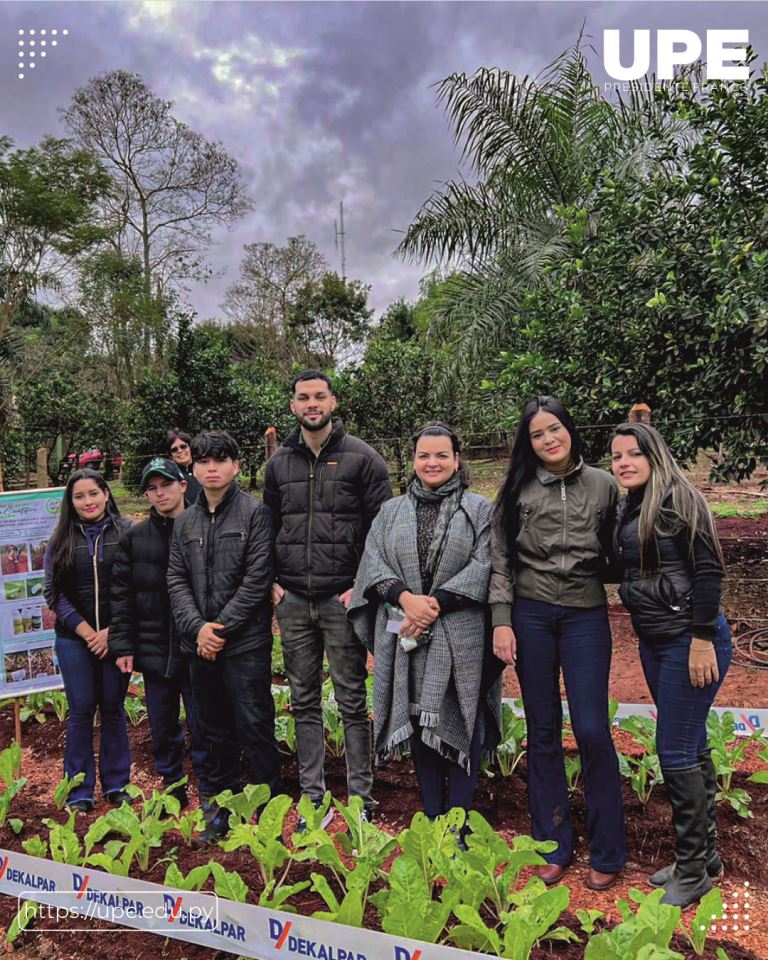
(673, 567)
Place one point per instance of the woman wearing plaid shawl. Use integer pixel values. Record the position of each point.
(420, 602)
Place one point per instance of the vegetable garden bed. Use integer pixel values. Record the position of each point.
(409, 879)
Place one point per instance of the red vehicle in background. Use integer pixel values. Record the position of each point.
(107, 464)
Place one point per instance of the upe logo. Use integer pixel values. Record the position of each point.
(675, 48)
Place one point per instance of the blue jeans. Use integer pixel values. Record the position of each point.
(89, 683)
(577, 641)
(236, 712)
(164, 695)
(681, 722)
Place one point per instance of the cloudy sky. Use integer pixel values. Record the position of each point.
(319, 102)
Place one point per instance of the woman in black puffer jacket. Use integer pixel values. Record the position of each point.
(78, 566)
(665, 540)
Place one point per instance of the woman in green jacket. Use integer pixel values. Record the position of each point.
(551, 532)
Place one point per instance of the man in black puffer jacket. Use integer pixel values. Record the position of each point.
(141, 634)
(219, 579)
(324, 488)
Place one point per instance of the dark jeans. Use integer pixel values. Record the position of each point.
(444, 784)
(307, 628)
(681, 722)
(578, 641)
(90, 683)
(164, 694)
(236, 712)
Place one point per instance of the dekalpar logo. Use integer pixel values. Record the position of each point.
(280, 934)
(676, 48)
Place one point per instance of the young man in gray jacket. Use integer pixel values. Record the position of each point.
(324, 488)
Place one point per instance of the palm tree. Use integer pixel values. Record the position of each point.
(536, 146)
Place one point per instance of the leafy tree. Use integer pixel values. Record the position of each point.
(203, 390)
(389, 396)
(261, 300)
(667, 302)
(329, 317)
(535, 146)
(48, 195)
(123, 321)
(173, 187)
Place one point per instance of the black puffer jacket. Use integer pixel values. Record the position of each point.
(323, 508)
(88, 585)
(221, 571)
(141, 612)
(682, 596)
(194, 489)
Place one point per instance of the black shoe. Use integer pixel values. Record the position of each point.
(714, 864)
(180, 793)
(301, 825)
(81, 806)
(118, 797)
(216, 827)
(687, 794)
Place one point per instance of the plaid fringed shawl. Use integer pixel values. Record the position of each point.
(441, 684)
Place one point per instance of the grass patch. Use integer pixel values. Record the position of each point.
(730, 508)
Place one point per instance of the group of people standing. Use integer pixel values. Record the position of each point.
(443, 589)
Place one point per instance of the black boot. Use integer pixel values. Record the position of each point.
(714, 864)
(687, 794)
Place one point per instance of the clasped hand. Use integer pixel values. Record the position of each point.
(420, 612)
(209, 643)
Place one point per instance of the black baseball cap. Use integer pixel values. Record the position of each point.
(163, 467)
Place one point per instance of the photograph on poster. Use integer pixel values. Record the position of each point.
(14, 558)
(37, 553)
(14, 589)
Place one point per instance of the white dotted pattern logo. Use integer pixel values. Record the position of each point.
(34, 46)
(735, 916)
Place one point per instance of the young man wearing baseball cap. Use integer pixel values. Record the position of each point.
(142, 635)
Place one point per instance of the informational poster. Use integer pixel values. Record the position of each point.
(28, 660)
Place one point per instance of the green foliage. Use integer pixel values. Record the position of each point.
(643, 935)
(710, 908)
(64, 787)
(194, 880)
(660, 292)
(264, 839)
(10, 765)
(727, 752)
(35, 846)
(510, 750)
(64, 842)
(332, 722)
(135, 710)
(761, 776)
(25, 915)
(48, 195)
(143, 830)
(329, 316)
(389, 396)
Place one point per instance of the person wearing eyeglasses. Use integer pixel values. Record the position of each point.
(180, 449)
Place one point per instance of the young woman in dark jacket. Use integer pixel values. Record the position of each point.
(549, 540)
(666, 540)
(78, 564)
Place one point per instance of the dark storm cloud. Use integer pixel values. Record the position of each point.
(318, 101)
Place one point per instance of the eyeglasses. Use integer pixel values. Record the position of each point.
(179, 447)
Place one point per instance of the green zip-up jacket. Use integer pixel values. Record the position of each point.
(562, 542)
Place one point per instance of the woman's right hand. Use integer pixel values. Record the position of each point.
(98, 643)
(422, 611)
(505, 644)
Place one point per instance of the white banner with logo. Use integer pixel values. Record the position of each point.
(747, 720)
(66, 892)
